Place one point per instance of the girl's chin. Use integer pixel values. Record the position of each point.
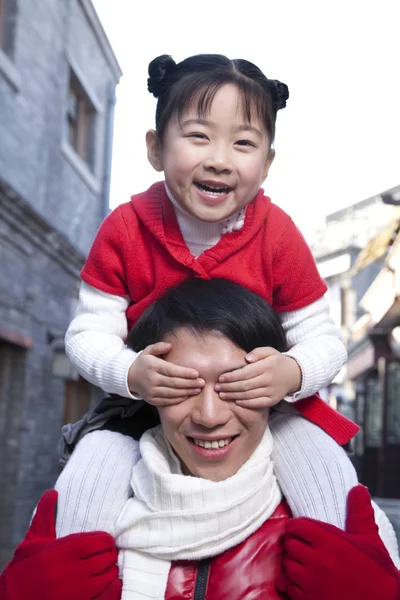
(208, 214)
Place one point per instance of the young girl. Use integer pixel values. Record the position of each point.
(215, 127)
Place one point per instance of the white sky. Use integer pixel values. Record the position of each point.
(338, 139)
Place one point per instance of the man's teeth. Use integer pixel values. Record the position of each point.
(214, 444)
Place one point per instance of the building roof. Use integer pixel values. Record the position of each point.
(379, 244)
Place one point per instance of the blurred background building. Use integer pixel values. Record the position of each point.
(58, 75)
(358, 253)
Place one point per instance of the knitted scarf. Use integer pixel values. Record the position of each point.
(173, 516)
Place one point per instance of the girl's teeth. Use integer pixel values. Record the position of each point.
(213, 191)
(212, 445)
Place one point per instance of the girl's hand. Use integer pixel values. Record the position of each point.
(268, 378)
(160, 382)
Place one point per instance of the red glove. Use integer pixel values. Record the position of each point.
(323, 562)
(81, 566)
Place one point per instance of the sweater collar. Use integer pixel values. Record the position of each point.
(200, 233)
(157, 214)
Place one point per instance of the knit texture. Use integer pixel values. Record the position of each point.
(322, 561)
(200, 236)
(170, 516)
(139, 252)
(94, 343)
(315, 473)
(95, 486)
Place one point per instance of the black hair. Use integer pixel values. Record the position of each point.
(210, 305)
(199, 77)
(203, 305)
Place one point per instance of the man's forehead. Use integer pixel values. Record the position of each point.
(208, 350)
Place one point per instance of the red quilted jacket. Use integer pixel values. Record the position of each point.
(246, 572)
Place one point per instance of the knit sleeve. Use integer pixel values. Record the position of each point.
(387, 533)
(297, 282)
(315, 343)
(105, 265)
(94, 341)
(95, 484)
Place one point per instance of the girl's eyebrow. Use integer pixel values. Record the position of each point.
(197, 121)
(248, 128)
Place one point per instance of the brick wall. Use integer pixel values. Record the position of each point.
(50, 209)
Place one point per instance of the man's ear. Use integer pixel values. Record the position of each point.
(154, 150)
(268, 162)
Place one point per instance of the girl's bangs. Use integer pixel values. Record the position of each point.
(254, 102)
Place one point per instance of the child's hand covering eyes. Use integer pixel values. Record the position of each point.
(160, 382)
(268, 378)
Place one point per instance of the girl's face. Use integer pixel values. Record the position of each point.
(215, 165)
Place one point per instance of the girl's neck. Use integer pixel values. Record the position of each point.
(199, 235)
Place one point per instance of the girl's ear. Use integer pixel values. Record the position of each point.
(154, 150)
(268, 163)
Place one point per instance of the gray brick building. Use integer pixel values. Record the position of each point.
(58, 76)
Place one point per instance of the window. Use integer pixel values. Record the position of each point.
(373, 412)
(393, 403)
(8, 17)
(81, 120)
(76, 400)
(12, 395)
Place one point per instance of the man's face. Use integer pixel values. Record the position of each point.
(213, 438)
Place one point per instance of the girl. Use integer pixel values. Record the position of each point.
(215, 127)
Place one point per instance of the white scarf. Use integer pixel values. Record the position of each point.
(173, 516)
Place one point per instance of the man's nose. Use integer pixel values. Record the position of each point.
(210, 411)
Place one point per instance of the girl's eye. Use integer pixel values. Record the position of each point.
(246, 143)
(199, 136)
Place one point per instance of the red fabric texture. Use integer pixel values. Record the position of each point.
(339, 427)
(139, 252)
(324, 562)
(81, 566)
(248, 570)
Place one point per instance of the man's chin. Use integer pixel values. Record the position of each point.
(215, 473)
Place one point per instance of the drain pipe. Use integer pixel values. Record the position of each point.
(108, 147)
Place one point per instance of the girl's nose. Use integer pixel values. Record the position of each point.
(219, 160)
(210, 411)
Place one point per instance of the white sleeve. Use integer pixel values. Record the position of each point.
(387, 533)
(94, 341)
(95, 483)
(315, 343)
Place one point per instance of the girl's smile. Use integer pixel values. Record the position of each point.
(214, 164)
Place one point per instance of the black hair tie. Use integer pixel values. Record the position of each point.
(159, 71)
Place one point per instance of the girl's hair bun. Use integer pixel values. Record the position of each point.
(280, 93)
(159, 70)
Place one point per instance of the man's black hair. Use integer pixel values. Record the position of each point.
(205, 305)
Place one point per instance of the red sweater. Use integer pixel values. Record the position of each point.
(139, 252)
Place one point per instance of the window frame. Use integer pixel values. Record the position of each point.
(8, 18)
(81, 129)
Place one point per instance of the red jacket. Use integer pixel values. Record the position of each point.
(139, 252)
(247, 571)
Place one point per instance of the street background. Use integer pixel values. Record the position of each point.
(74, 109)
